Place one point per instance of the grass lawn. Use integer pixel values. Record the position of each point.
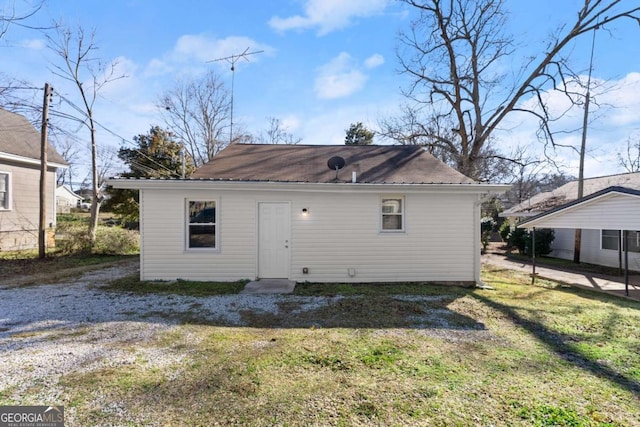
(516, 355)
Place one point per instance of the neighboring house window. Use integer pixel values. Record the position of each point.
(5, 191)
(611, 240)
(201, 228)
(392, 214)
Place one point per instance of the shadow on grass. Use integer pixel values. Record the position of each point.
(560, 344)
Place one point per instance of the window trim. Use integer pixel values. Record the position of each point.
(402, 214)
(620, 241)
(216, 225)
(9, 191)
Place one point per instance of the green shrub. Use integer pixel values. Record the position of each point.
(518, 239)
(487, 225)
(522, 240)
(544, 239)
(504, 230)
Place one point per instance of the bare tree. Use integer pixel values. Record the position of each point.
(198, 112)
(76, 49)
(631, 159)
(452, 51)
(69, 149)
(277, 134)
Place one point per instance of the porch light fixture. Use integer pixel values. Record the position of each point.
(305, 211)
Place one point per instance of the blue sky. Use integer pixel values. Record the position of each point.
(326, 64)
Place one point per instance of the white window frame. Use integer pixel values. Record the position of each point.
(8, 191)
(216, 225)
(402, 214)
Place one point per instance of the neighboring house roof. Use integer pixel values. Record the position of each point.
(19, 140)
(392, 164)
(612, 208)
(569, 192)
(66, 192)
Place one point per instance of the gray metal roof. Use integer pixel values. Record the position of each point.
(376, 164)
(18, 137)
(567, 193)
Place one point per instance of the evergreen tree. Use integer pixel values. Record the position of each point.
(157, 155)
(358, 134)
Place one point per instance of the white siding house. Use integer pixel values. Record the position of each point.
(603, 217)
(312, 228)
(66, 199)
(599, 244)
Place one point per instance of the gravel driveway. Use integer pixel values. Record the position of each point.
(53, 329)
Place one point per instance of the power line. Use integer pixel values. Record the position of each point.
(124, 140)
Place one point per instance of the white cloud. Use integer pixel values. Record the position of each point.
(290, 123)
(33, 44)
(339, 78)
(374, 61)
(328, 15)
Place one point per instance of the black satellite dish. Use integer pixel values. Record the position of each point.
(336, 163)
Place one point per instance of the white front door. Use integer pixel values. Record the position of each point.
(273, 240)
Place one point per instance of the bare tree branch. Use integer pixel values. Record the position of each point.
(9, 16)
(79, 66)
(198, 112)
(277, 134)
(631, 159)
(452, 52)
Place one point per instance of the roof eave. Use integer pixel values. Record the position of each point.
(302, 186)
(29, 160)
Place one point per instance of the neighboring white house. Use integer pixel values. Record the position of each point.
(601, 245)
(390, 214)
(20, 184)
(614, 208)
(66, 199)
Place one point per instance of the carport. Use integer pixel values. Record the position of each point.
(614, 208)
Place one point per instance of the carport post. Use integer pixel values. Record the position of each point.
(533, 255)
(626, 262)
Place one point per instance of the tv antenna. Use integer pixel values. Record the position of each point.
(232, 59)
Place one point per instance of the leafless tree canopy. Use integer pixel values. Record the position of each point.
(453, 51)
(198, 112)
(630, 160)
(277, 134)
(78, 64)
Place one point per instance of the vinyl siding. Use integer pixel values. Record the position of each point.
(19, 224)
(590, 249)
(341, 232)
(610, 212)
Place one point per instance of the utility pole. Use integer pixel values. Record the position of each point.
(42, 226)
(577, 242)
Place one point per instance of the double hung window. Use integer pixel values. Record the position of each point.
(202, 224)
(5, 191)
(392, 211)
